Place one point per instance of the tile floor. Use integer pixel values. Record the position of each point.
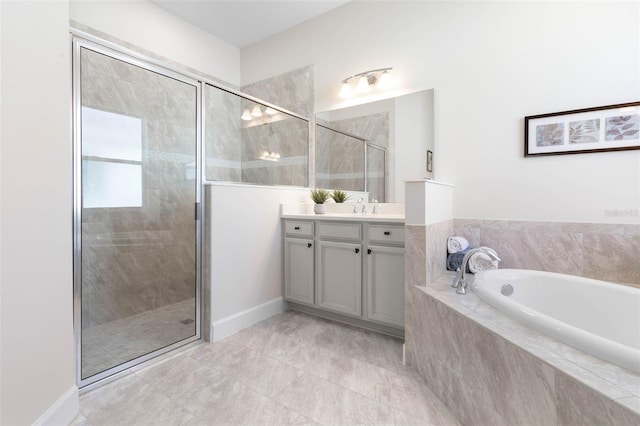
(290, 369)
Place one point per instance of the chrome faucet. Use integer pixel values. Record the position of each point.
(460, 280)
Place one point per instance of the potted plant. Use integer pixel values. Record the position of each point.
(339, 196)
(319, 196)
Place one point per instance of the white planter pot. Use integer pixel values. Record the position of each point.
(319, 208)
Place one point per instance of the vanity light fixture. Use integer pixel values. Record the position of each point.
(368, 79)
(270, 111)
(270, 156)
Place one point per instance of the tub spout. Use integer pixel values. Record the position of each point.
(460, 280)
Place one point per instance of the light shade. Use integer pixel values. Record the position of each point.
(270, 111)
(256, 112)
(246, 115)
(363, 84)
(385, 80)
(346, 91)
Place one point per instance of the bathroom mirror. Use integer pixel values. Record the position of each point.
(250, 142)
(382, 143)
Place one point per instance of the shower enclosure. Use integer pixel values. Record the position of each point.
(137, 213)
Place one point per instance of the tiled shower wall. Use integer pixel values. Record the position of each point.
(292, 91)
(233, 146)
(136, 259)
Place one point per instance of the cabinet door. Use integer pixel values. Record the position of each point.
(298, 270)
(385, 285)
(339, 280)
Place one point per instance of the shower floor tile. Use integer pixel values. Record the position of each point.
(113, 343)
(290, 369)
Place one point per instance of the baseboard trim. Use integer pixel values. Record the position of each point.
(63, 411)
(236, 322)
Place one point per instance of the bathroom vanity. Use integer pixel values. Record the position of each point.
(346, 267)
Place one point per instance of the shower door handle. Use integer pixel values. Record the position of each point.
(197, 212)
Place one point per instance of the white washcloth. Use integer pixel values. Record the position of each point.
(481, 262)
(456, 244)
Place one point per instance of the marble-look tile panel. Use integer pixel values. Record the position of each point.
(547, 251)
(606, 253)
(600, 251)
(293, 90)
(415, 270)
(127, 274)
(579, 405)
(480, 377)
(436, 249)
(374, 127)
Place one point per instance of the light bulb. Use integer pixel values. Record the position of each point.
(363, 84)
(385, 80)
(270, 111)
(346, 92)
(256, 111)
(246, 115)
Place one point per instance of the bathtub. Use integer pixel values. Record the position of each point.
(597, 317)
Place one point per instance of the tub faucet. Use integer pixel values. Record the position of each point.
(460, 280)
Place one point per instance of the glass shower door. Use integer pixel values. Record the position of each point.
(137, 195)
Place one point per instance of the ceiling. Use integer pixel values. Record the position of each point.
(245, 22)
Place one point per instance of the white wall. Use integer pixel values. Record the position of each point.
(414, 135)
(246, 250)
(491, 64)
(147, 26)
(37, 350)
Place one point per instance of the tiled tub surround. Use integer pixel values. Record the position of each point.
(491, 370)
(606, 252)
(476, 360)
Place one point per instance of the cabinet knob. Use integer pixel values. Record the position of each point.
(309, 245)
(357, 250)
(387, 232)
(297, 228)
(368, 251)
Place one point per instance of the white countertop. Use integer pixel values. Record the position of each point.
(388, 212)
(350, 217)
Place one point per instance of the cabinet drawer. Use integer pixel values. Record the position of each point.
(301, 229)
(341, 231)
(386, 234)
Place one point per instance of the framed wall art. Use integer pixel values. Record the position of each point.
(599, 129)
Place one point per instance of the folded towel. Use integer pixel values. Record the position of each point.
(481, 262)
(454, 260)
(456, 244)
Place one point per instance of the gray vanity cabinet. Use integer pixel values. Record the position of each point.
(339, 267)
(349, 271)
(339, 276)
(298, 267)
(385, 284)
(298, 272)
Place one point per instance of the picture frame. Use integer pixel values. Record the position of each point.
(599, 129)
(429, 161)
